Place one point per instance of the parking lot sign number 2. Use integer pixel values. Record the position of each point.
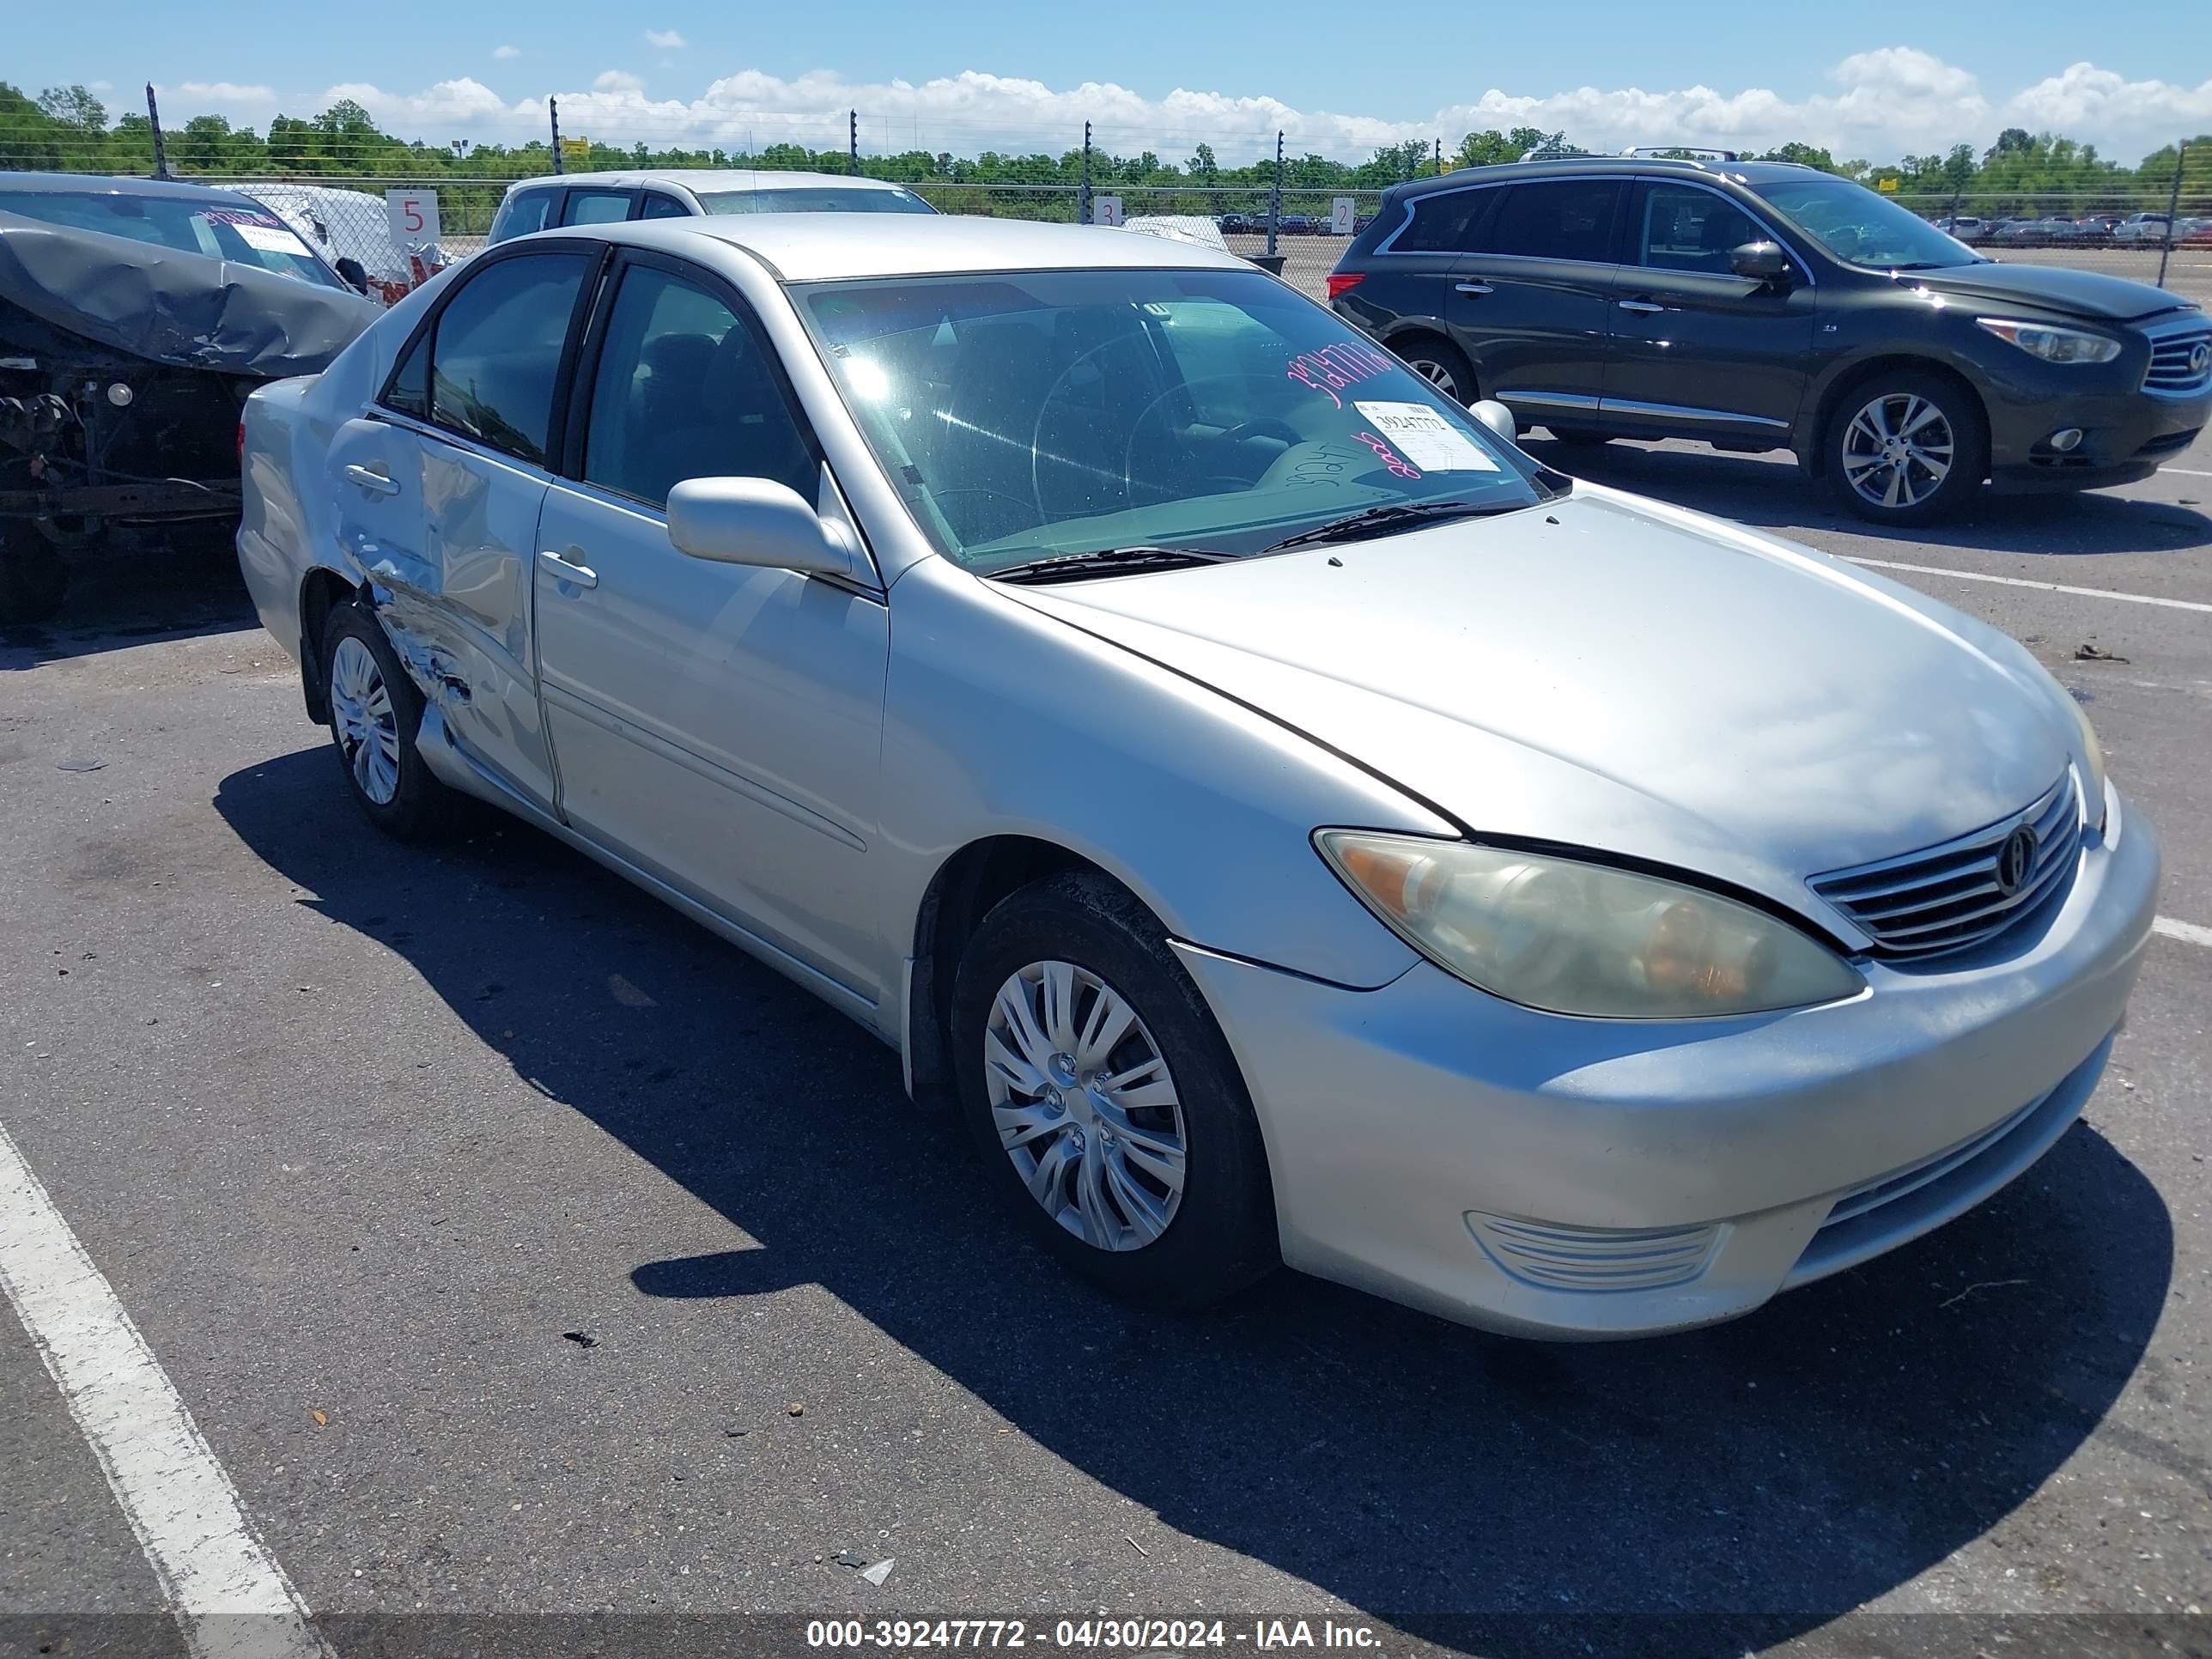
(413, 211)
(1340, 213)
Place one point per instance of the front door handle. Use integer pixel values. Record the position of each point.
(568, 570)
(369, 479)
(1475, 287)
(1639, 305)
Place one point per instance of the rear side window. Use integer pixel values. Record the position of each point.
(596, 207)
(496, 354)
(658, 206)
(1446, 224)
(522, 212)
(1558, 219)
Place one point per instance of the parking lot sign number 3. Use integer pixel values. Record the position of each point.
(413, 215)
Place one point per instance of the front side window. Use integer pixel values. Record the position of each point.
(1558, 219)
(1861, 229)
(686, 389)
(596, 207)
(1034, 415)
(1685, 229)
(495, 353)
(522, 212)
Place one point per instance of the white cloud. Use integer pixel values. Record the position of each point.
(503, 53)
(666, 40)
(1875, 104)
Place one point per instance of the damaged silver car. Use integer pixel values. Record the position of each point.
(136, 315)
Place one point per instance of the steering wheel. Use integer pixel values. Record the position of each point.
(1263, 426)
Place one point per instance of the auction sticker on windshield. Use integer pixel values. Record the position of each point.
(271, 239)
(1426, 437)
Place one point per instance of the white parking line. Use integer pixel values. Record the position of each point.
(2189, 472)
(2023, 581)
(227, 1593)
(2188, 932)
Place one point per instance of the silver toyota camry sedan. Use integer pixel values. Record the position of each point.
(1284, 821)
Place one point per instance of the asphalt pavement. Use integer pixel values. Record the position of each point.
(516, 1247)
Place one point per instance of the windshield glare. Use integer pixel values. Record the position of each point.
(1862, 228)
(1038, 415)
(248, 234)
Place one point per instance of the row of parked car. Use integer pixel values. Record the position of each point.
(2055, 230)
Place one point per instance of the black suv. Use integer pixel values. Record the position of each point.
(1761, 305)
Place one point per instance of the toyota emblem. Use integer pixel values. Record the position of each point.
(2014, 859)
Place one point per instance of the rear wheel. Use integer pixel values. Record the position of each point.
(34, 580)
(1442, 365)
(375, 713)
(1906, 448)
(1103, 1099)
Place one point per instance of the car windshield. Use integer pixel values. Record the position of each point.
(1861, 229)
(246, 235)
(1042, 415)
(822, 200)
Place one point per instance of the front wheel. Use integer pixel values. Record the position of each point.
(1907, 449)
(1103, 1099)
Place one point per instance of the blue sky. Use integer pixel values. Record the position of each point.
(1729, 68)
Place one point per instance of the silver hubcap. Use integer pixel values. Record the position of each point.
(1434, 373)
(362, 714)
(1897, 450)
(1085, 1105)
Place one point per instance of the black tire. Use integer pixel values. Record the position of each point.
(34, 580)
(420, 807)
(1221, 1234)
(1847, 446)
(1442, 365)
(1576, 438)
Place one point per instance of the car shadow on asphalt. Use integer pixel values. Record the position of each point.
(1492, 1495)
(166, 588)
(1768, 492)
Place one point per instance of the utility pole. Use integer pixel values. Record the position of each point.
(1083, 201)
(153, 120)
(1440, 155)
(2165, 243)
(852, 141)
(553, 107)
(1275, 199)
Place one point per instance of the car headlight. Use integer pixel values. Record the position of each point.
(2054, 345)
(2094, 784)
(1573, 937)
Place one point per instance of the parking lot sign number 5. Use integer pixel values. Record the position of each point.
(413, 215)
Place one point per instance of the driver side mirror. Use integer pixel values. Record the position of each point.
(1761, 262)
(756, 521)
(1499, 418)
(352, 273)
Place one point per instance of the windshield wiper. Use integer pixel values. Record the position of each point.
(1397, 515)
(1072, 567)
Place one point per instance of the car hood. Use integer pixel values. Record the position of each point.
(2049, 288)
(1617, 674)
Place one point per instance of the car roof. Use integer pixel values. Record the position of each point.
(1582, 166)
(704, 179)
(814, 247)
(47, 184)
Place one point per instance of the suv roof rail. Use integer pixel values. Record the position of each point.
(1682, 153)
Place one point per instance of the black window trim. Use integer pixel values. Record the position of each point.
(424, 333)
(1387, 245)
(1633, 247)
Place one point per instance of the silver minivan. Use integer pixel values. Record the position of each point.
(599, 198)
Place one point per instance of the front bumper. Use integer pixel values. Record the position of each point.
(2126, 432)
(1558, 1177)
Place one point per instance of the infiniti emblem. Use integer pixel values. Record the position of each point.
(2200, 358)
(2014, 859)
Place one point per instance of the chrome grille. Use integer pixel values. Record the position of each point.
(1948, 897)
(2170, 368)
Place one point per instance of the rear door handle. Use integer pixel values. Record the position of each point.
(368, 478)
(582, 574)
(1475, 287)
(1639, 305)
